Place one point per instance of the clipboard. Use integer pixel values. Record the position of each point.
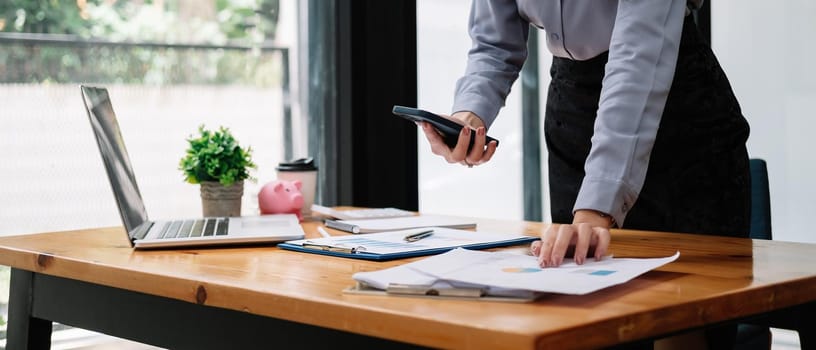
(390, 245)
(428, 292)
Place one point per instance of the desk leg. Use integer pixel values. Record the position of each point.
(39, 299)
(24, 330)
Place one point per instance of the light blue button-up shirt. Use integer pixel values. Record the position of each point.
(643, 39)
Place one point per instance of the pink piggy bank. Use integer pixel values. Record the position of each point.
(281, 197)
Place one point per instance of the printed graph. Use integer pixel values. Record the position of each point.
(521, 269)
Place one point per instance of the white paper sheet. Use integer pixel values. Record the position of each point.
(508, 273)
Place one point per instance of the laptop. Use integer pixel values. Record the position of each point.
(144, 233)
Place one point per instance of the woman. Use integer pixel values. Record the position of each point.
(642, 128)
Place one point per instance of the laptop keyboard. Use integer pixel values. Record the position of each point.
(194, 228)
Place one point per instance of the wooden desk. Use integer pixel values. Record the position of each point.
(257, 297)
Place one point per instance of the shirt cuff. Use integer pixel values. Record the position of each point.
(606, 196)
(477, 104)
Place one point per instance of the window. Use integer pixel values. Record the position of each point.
(170, 66)
(493, 190)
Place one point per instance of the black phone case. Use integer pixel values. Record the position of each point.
(449, 129)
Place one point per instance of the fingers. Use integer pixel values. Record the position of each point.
(435, 140)
(458, 153)
(582, 243)
(491, 149)
(474, 156)
(478, 154)
(535, 248)
(604, 237)
(545, 249)
(481, 153)
(559, 240)
(562, 242)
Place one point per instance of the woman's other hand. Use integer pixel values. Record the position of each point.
(479, 154)
(588, 235)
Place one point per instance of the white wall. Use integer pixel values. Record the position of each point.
(492, 190)
(768, 51)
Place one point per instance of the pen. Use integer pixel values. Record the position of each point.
(342, 226)
(323, 232)
(417, 236)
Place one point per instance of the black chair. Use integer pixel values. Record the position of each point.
(755, 333)
(749, 335)
(760, 200)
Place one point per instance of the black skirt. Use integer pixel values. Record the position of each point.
(698, 179)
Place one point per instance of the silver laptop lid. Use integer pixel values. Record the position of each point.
(117, 162)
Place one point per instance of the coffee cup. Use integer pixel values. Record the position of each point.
(302, 169)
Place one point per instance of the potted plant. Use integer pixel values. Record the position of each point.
(215, 160)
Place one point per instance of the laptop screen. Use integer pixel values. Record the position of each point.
(115, 157)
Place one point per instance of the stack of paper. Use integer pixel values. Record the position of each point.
(505, 274)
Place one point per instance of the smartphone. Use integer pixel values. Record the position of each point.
(448, 128)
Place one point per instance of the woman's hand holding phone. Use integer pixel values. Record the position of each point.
(480, 153)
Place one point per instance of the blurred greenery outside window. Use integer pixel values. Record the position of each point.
(146, 27)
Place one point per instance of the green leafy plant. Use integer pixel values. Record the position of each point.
(216, 156)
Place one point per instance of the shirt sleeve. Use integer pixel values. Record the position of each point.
(639, 73)
(499, 49)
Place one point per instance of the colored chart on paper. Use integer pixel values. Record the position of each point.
(602, 272)
(520, 269)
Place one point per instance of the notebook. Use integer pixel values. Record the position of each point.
(144, 233)
(400, 223)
